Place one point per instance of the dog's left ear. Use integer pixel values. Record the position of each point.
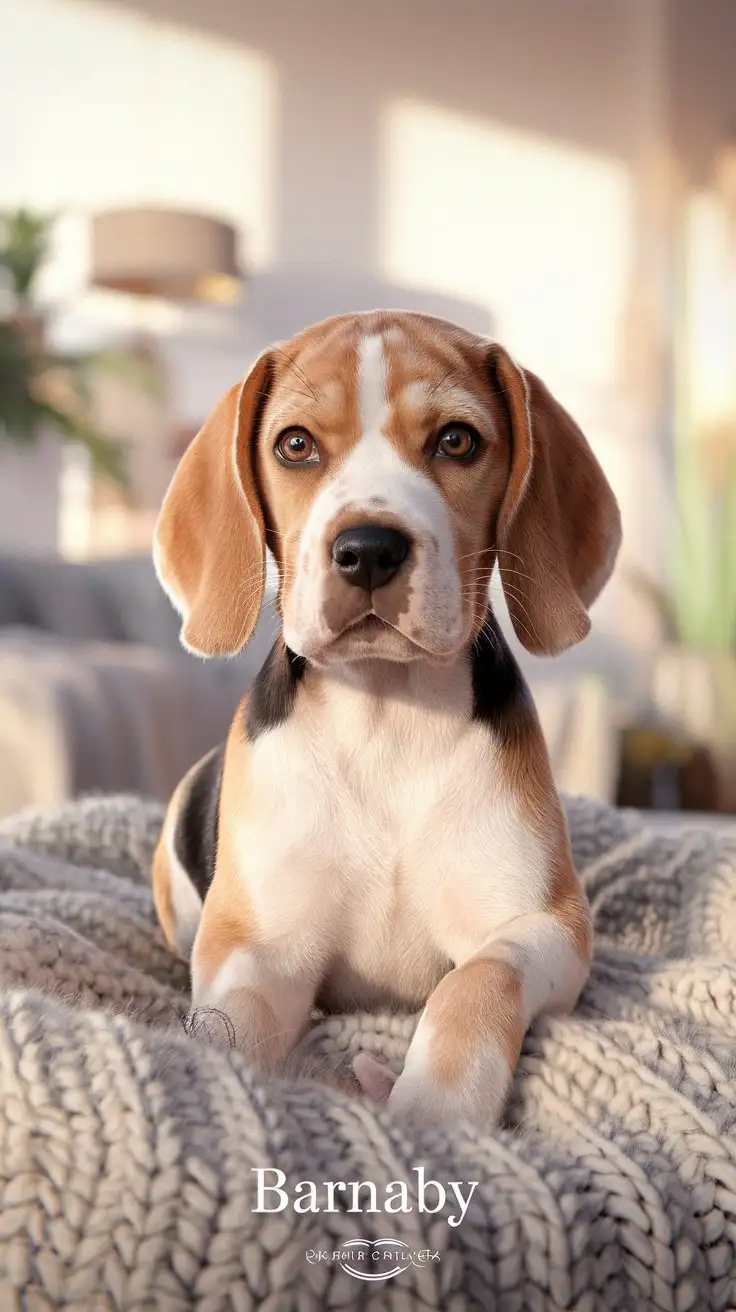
(209, 541)
(559, 527)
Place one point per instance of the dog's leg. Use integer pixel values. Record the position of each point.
(466, 1046)
(266, 1008)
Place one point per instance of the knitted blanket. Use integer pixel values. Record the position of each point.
(135, 1154)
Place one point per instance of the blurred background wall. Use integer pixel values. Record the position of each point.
(557, 173)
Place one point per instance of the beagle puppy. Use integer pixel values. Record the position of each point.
(381, 826)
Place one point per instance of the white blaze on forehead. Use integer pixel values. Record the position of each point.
(375, 467)
(372, 397)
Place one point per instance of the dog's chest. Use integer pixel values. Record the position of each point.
(380, 842)
(385, 840)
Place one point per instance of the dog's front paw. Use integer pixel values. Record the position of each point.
(420, 1099)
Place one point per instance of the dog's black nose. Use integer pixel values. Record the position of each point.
(368, 556)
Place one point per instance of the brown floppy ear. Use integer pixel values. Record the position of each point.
(209, 541)
(559, 527)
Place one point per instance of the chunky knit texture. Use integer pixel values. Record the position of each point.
(126, 1143)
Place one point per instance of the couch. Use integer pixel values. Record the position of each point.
(97, 695)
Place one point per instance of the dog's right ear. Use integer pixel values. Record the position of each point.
(209, 541)
(559, 527)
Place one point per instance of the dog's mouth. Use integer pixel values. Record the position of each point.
(372, 636)
(369, 625)
(369, 630)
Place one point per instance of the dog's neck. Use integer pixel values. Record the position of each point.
(385, 680)
(482, 683)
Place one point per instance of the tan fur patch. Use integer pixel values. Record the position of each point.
(559, 524)
(209, 545)
(478, 1003)
(315, 389)
(162, 898)
(527, 768)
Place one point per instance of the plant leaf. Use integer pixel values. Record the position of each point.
(727, 561)
(108, 457)
(24, 243)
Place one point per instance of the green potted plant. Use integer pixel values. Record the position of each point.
(41, 388)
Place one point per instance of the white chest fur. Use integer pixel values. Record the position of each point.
(381, 842)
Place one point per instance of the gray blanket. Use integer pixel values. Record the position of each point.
(130, 1148)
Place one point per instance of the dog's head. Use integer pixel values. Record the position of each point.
(388, 460)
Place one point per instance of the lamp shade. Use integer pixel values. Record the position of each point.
(165, 253)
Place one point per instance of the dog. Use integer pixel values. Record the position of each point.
(381, 827)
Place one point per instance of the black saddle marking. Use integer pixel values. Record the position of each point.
(501, 697)
(197, 825)
(273, 694)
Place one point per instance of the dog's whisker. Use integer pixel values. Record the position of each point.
(506, 570)
(518, 601)
(472, 555)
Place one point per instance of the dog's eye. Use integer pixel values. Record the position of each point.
(297, 447)
(456, 442)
